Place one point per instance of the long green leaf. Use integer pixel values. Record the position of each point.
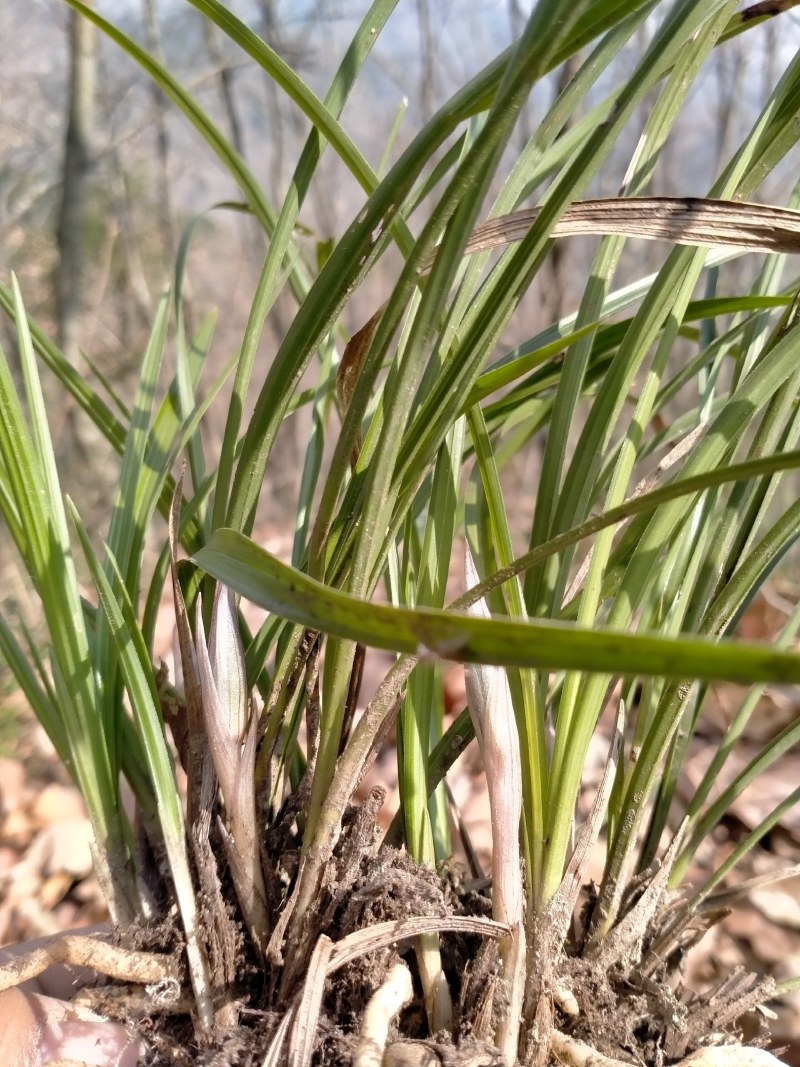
(253, 572)
(140, 684)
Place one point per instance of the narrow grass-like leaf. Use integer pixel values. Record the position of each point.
(688, 220)
(140, 684)
(40, 523)
(320, 114)
(528, 703)
(286, 370)
(34, 691)
(259, 576)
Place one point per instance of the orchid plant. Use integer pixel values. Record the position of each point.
(654, 526)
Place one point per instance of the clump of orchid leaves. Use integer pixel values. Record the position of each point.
(663, 421)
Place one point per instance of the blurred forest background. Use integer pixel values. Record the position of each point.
(101, 178)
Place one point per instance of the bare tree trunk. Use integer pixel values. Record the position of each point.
(153, 38)
(517, 19)
(269, 19)
(225, 85)
(77, 164)
(555, 272)
(730, 62)
(427, 88)
(770, 59)
(252, 238)
(82, 451)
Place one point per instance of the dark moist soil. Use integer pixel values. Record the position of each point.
(383, 887)
(622, 1005)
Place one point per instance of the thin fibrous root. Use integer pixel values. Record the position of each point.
(76, 950)
(383, 1005)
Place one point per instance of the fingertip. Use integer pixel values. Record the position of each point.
(36, 1030)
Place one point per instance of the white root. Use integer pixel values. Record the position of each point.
(731, 1056)
(78, 950)
(576, 1053)
(383, 1005)
(565, 999)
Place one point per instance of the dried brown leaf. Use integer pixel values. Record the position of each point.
(304, 1027)
(496, 732)
(565, 899)
(625, 939)
(381, 935)
(274, 1055)
(680, 220)
(766, 9)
